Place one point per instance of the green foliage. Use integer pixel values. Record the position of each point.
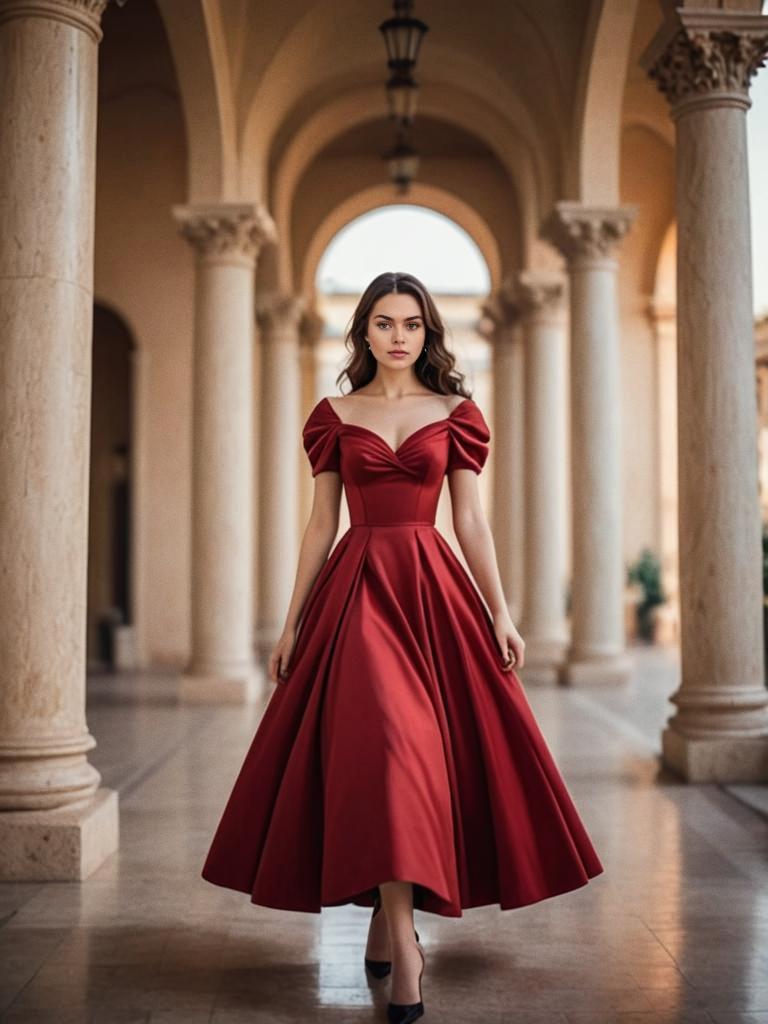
(646, 571)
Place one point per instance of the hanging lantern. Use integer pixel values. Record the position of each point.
(402, 36)
(403, 163)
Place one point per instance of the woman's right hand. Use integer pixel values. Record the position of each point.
(278, 659)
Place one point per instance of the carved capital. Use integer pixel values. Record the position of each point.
(587, 232)
(82, 14)
(707, 56)
(500, 311)
(541, 294)
(279, 317)
(311, 327)
(226, 232)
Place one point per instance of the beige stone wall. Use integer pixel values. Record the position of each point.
(144, 274)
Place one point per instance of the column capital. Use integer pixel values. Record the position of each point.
(707, 57)
(500, 311)
(279, 316)
(311, 327)
(82, 14)
(582, 232)
(225, 232)
(541, 293)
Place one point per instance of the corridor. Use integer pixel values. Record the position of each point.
(676, 929)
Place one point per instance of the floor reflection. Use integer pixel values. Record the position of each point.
(675, 930)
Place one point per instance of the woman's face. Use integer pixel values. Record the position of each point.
(396, 330)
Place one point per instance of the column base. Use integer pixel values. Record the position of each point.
(66, 844)
(602, 671)
(544, 652)
(220, 687)
(716, 759)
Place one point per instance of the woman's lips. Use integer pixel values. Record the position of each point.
(397, 352)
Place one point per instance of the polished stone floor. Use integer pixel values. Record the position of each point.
(676, 929)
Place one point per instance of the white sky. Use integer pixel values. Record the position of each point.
(412, 238)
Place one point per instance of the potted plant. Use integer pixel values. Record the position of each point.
(646, 573)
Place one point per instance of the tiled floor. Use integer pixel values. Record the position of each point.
(676, 929)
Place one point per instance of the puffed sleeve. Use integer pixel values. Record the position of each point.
(320, 437)
(469, 437)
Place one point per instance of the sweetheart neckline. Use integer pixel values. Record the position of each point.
(395, 451)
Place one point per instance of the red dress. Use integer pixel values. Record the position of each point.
(398, 748)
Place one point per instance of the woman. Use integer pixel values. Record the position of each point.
(398, 764)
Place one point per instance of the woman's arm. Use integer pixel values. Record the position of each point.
(319, 535)
(476, 541)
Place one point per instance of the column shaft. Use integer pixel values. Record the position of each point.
(279, 320)
(587, 236)
(544, 624)
(56, 822)
(703, 63)
(226, 240)
(502, 320)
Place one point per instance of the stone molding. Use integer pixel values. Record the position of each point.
(706, 55)
(82, 14)
(226, 232)
(280, 317)
(311, 327)
(583, 232)
(541, 294)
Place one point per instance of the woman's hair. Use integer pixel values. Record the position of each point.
(434, 368)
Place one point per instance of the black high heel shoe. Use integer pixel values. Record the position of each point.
(380, 968)
(404, 1013)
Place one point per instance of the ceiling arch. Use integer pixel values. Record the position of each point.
(529, 180)
(198, 44)
(377, 196)
(593, 174)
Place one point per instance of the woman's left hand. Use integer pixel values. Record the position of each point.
(511, 644)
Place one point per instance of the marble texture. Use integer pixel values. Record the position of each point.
(502, 325)
(543, 622)
(279, 319)
(703, 61)
(47, 188)
(588, 237)
(226, 239)
(675, 930)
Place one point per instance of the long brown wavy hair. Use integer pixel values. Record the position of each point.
(434, 367)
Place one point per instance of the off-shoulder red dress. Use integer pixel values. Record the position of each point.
(398, 748)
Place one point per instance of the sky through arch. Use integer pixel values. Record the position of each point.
(403, 237)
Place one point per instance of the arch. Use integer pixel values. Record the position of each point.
(531, 187)
(378, 196)
(593, 174)
(198, 44)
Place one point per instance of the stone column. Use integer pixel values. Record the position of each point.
(543, 623)
(586, 236)
(663, 319)
(56, 822)
(703, 62)
(226, 239)
(279, 318)
(310, 331)
(502, 313)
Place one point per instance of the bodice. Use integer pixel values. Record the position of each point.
(386, 486)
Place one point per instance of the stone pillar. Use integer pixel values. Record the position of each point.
(226, 239)
(543, 624)
(662, 317)
(279, 319)
(586, 236)
(56, 822)
(703, 62)
(310, 331)
(502, 315)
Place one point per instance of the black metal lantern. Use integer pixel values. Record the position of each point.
(403, 163)
(402, 36)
